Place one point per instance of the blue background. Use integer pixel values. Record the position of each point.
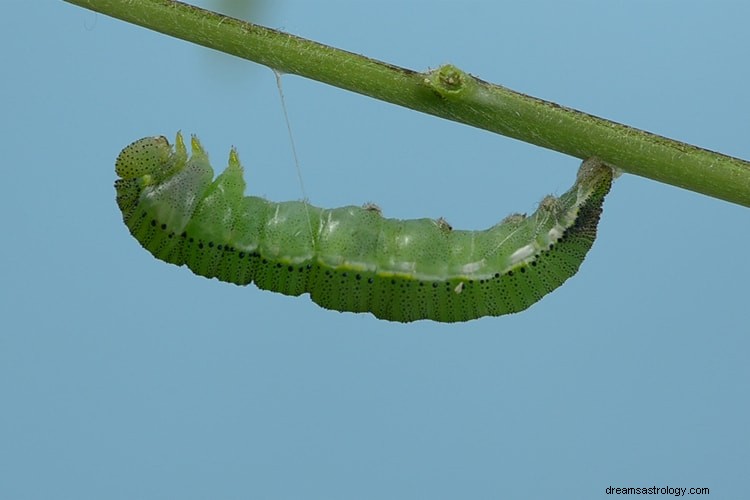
(122, 377)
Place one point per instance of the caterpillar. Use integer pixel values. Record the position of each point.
(351, 258)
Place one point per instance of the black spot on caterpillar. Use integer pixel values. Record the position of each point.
(352, 258)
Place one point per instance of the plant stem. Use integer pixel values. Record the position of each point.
(448, 93)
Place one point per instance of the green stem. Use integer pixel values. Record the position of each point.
(448, 93)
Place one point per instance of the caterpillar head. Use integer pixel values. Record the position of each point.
(151, 159)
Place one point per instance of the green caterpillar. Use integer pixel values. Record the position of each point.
(351, 258)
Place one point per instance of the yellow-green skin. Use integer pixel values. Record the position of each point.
(351, 258)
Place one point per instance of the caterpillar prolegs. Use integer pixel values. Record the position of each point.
(351, 258)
